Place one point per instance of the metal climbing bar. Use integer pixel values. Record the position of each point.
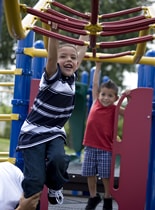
(17, 27)
(94, 11)
(55, 19)
(58, 14)
(15, 72)
(69, 29)
(13, 19)
(59, 36)
(119, 32)
(127, 42)
(9, 117)
(71, 11)
(141, 47)
(128, 20)
(94, 20)
(125, 26)
(6, 83)
(120, 13)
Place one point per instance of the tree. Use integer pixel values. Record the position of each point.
(113, 70)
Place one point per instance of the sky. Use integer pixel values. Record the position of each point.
(130, 80)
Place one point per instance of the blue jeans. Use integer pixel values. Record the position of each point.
(47, 164)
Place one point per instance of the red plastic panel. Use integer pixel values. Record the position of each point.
(133, 151)
(33, 91)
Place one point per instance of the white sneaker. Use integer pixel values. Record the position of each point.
(55, 196)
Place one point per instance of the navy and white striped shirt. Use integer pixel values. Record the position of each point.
(52, 107)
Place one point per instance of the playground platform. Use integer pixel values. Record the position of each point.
(76, 191)
(76, 203)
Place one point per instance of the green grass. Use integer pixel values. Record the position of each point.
(4, 145)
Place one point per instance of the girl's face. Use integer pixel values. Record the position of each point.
(67, 59)
(107, 96)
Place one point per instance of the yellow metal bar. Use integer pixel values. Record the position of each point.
(12, 160)
(6, 84)
(3, 154)
(30, 20)
(45, 38)
(35, 52)
(6, 91)
(124, 59)
(8, 159)
(3, 159)
(19, 28)
(15, 71)
(141, 47)
(9, 117)
(13, 19)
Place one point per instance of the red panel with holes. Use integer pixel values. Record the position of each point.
(132, 152)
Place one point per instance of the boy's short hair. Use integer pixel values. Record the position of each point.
(110, 85)
(63, 44)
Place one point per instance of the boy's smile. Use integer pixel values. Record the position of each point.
(107, 96)
(67, 59)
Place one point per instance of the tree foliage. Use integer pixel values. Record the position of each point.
(113, 70)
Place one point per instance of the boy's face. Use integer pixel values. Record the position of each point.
(107, 96)
(67, 59)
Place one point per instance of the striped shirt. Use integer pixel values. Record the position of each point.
(52, 108)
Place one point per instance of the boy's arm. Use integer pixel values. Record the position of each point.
(81, 50)
(122, 109)
(95, 90)
(52, 54)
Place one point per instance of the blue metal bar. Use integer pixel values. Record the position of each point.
(146, 78)
(20, 100)
(38, 63)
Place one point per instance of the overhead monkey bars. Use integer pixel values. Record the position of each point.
(120, 13)
(88, 25)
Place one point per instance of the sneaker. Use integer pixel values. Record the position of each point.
(107, 204)
(55, 196)
(93, 202)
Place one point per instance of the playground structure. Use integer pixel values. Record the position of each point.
(30, 55)
(90, 25)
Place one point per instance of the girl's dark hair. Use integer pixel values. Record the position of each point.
(110, 85)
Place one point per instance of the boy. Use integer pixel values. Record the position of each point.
(42, 135)
(98, 139)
